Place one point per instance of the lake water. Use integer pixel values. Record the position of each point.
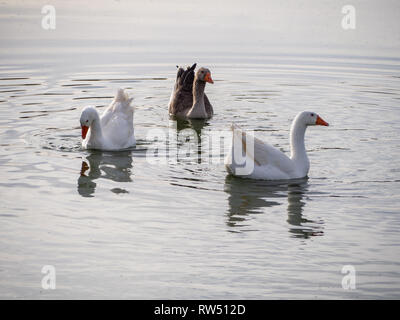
(122, 225)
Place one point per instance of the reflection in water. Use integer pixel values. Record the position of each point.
(115, 166)
(301, 227)
(252, 196)
(195, 124)
(188, 135)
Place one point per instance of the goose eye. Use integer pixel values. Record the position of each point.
(312, 114)
(87, 121)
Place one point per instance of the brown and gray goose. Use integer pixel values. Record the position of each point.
(188, 99)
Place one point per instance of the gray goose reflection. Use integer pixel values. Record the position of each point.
(196, 126)
(253, 196)
(115, 166)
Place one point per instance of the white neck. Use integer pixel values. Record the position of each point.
(95, 134)
(297, 146)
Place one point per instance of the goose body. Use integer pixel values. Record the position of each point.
(188, 99)
(267, 162)
(111, 131)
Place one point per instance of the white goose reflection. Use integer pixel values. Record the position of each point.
(248, 197)
(115, 166)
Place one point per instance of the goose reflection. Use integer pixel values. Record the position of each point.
(115, 166)
(188, 135)
(195, 124)
(248, 197)
(301, 226)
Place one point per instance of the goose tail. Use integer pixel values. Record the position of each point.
(123, 97)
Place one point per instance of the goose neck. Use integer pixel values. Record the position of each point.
(198, 90)
(95, 128)
(198, 109)
(297, 145)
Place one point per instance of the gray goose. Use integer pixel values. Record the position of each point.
(188, 99)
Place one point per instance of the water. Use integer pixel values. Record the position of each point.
(118, 225)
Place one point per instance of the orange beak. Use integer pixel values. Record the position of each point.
(84, 168)
(207, 78)
(321, 122)
(84, 131)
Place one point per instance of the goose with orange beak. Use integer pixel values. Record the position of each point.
(188, 99)
(250, 157)
(113, 130)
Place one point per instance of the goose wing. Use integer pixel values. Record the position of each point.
(117, 121)
(262, 153)
(186, 78)
(119, 107)
(182, 96)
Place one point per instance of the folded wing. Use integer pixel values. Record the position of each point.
(263, 154)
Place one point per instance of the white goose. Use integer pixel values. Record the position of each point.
(265, 161)
(113, 130)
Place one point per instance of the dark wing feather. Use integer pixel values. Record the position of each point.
(187, 78)
(182, 99)
(182, 103)
(179, 73)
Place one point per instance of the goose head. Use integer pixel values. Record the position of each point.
(204, 74)
(309, 118)
(87, 117)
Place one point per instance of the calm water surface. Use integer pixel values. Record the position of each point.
(119, 225)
